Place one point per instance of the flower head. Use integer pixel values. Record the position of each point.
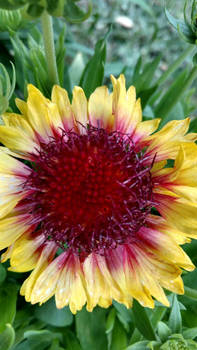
(96, 210)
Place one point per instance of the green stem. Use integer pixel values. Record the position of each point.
(190, 293)
(48, 37)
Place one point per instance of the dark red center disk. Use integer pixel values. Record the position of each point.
(89, 192)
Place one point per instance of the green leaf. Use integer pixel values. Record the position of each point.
(35, 10)
(23, 346)
(124, 315)
(163, 331)
(143, 76)
(7, 337)
(55, 345)
(175, 320)
(136, 337)
(90, 327)
(51, 315)
(143, 4)
(175, 92)
(119, 337)
(70, 341)
(110, 320)
(76, 68)
(55, 7)
(60, 55)
(190, 333)
(2, 273)
(142, 321)
(41, 339)
(93, 73)
(11, 4)
(158, 315)
(182, 27)
(8, 296)
(154, 345)
(141, 345)
(74, 14)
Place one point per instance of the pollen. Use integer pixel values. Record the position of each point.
(89, 192)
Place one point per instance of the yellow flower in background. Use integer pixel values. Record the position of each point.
(96, 211)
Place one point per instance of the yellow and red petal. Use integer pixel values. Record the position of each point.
(100, 114)
(27, 245)
(60, 98)
(166, 142)
(46, 256)
(80, 109)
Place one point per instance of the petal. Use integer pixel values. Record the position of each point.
(70, 288)
(180, 213)
(145, 129)
(100, 109)
(166, 142)
(99, 284)
(61, 99)
(18, 121)
(22, 106)
(27, 245)
(44, 260)
(80, 108)
(11, 228)
(126, 110)
(162, 245)
(16, 140)
(45, 284)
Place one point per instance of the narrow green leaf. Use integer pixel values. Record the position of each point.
(136, 337)
(51, 315)
(55, 345)
(11, 5)
(90, 327)
(76, 68)
(145, 79)
(142, 321)
(183, 27)
(190, 333)
(7, 337)
(144, 5)
(163, 331)
(41, 339)
(35, 10)
(119, 337)
(8, 296)
(158, 315)
(141, 345)
(74, 14)
(60, 49)
(110, 320)
(70, 341)
(2, 273)
(174, 93)
(12, 87)
(23, 346)
(93, 73)
(137, 71)
(55, 7)
(124, 315)
(175, 320)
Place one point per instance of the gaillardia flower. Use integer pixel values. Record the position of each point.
(90, 202)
